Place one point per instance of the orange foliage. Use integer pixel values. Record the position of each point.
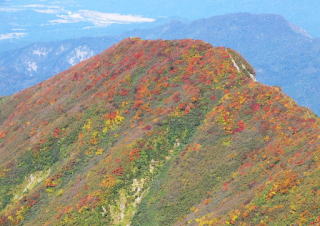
(109, 181)
(87, 201)
(110, 116)
(2, 134)
(134, 154)
(283, 185)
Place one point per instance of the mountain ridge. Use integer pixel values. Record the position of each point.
(269, 42)
(157, 133)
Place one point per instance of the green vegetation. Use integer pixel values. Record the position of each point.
(158, 133)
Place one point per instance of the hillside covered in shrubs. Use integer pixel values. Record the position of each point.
(158, 133)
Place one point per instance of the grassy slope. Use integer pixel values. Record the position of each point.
(157, 133)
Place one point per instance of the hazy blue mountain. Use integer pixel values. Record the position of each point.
(282, 54)
(27, 66)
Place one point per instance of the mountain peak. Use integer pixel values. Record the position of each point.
(156, 132)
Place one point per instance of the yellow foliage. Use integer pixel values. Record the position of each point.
(128, 78)
(99, 151)
(94, 138)
(194, 209)
(205, 220)
(266, 138)
(226, 97)
(234, 215)
(242, 99)
(59, 192)
(111, 124)
(124, 103)
(231, 156)
(18, 216)
(3, 172)
(226, 142)
(177, 112)
(235, 174)
(88, 125)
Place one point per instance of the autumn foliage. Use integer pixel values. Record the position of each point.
(158, 133)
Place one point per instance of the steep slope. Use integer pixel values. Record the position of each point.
(157, 133)
(283, 54)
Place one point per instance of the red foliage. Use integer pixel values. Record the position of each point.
(33, 200)
(56, 132)
(52, 181)
(176, 97)
(137, 104)
(50, 184)
(4, 220)
(110, 116)
(267, 108)
(63, 211)
(191, 90)
(316, 222)
(124, 92)
(118, 171)
(310, 122)
(213, 98)
(225, 186)
(241, 127)
(134, 154)
(244, 167)
(77, 77)
(187, 110)
(298, 159)
(148, 127)
(138, 55)
(87, 201)
(88, 87)
(141, 91)
(255, 107)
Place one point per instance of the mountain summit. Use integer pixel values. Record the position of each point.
(158, 133)
(282, 54)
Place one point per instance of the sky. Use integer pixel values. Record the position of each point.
(43, 20)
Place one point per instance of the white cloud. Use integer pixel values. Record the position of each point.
(9, 9)
(18, 29)
(33, 6)
(13, 35)
(99, 19)
(47, 11)
(64, 16)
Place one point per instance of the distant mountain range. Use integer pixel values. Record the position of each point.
(27, 66)
(282, 54)
(158, 133)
